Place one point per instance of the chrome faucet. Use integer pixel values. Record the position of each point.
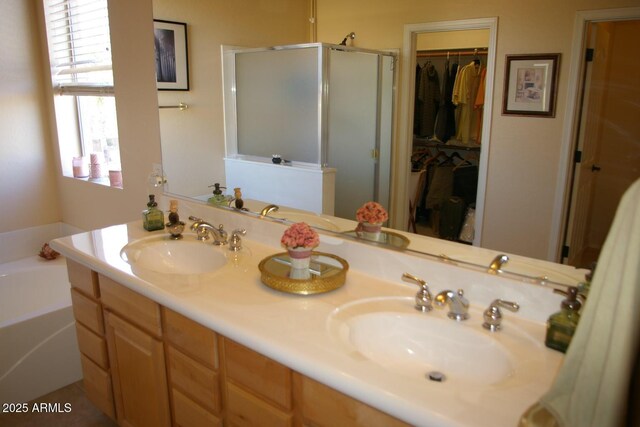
(423, 297)
(268, 209)
(496, 265)
(458, 304)
(203, 229)
(493, 315)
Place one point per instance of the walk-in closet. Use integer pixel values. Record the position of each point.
(448, 120)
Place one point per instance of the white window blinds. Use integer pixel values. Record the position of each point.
(79, 46)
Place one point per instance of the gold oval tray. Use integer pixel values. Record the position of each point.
(328, 272)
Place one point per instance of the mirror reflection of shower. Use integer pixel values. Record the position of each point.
(351, 36)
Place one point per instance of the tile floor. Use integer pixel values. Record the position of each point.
(82, 413)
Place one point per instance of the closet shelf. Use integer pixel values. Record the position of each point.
(426, 142)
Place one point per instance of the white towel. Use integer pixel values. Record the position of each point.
(592, 386)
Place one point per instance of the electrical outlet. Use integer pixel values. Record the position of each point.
(156, 169)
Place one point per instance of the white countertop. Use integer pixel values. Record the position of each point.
(293, 329)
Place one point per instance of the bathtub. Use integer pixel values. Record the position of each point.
(38, 346)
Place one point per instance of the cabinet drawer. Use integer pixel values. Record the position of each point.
(192, 338)
(97, 386)
(247, 410)
(200, 383)
(131, 305)
(92, 346)
(322, 405)
(83, 278)
(267, 378)
(87, 312)
(187, 413)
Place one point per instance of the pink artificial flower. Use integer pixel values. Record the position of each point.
(372, 212)
(300, 235)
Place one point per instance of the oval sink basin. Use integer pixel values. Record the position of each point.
(390, 333)
(186, 256)
(411, 344)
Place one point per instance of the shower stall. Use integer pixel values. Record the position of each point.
(327, 110)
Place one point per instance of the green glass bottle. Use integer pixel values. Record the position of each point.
(152, 217)
(562, 325)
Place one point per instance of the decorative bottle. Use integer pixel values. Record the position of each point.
(562, 325)
(152, 217)
(238, 198)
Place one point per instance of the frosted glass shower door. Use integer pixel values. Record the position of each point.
(277, 101)
(353, 128)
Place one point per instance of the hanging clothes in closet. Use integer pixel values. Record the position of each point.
(428, 98)
(445, 126)
(465, 91)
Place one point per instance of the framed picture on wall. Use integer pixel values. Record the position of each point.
(530, 85)
(172, 65)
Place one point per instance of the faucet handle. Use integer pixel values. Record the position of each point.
(493, 315)
(423, 297)
(236, 242)
(458, 304)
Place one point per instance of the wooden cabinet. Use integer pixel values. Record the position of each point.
(192, 365)
(258, 389)
(87, 311)
(136, 356)
(138, 373)
(324, 406)
(147, 365)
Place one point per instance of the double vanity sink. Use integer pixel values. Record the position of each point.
(365, 339)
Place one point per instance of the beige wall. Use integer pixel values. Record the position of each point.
(87, 205)
(28, 190)
(195, 137)
(524, 156)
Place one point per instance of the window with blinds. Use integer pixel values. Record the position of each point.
(79, 46)
(82, 78)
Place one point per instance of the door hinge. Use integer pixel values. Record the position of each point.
(375, 153)
(588, 56)
(565, 251)
(577, 156)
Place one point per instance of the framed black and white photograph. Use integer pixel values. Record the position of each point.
(172, 66)
(531, 84)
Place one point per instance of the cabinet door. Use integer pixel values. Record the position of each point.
(138, 374)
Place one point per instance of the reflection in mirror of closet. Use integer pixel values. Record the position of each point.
(449, 98)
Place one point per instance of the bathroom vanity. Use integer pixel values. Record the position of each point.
(212, 345)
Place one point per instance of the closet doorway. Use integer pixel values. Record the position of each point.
(465, 148)
(447, 124)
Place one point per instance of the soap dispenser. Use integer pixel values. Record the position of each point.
(218, 198)
(562, 325)
(152, 217)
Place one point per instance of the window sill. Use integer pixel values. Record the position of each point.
(104, 181)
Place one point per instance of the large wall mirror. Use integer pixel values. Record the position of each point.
(193, 140)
